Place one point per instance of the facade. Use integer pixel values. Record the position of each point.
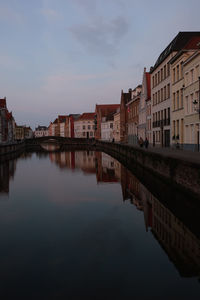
(191, 73)
(133, 115)
(100, 112)
(144, 124)
(125, 98)
(41, 131)
(178, 84)
(107, 125)
(7, 123)
(161, 90)
(116, 126)
(23, 132)
(84, 126)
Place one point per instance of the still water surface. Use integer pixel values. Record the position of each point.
(79, 225)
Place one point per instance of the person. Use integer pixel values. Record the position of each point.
(146, 143)
(141, 142)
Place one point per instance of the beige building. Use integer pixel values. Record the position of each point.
(116, 129)
(177, 108)
(84, 126)
(161, 90)
(191, 70)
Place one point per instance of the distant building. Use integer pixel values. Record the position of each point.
(23, 132)
(41, 131)
(107, 125)
(144, 123)
(133, 115)
(7, 123)
(84, 126)
(116, 127)
(101, 111)
(125, 98)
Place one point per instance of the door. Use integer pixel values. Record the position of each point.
(87, 135)
(167, 138)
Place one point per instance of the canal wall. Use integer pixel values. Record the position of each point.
(7, 149)
(174, 170)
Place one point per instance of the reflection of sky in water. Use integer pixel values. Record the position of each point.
(63, 236)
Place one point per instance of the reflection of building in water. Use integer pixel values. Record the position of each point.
(108, 169)
(84, 160)
(131, 188)
(181, 245)
(7, 170)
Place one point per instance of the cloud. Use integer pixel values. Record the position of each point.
(101, 37)
(9, 15)
(50, 14)
(9, 62)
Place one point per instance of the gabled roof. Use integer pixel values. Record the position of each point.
(86, 116)
(148, 79)
(61, 118)
(180, 40)
(3, 103)
(107, 108)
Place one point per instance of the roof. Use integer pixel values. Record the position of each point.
(9, 115)
(180, 40)
(193, 44)
(86, 116)
(3, 103)
(61, 118)
(106, 109)
(148, 79)
(41, 128)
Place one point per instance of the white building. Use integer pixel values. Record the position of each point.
(84, 126)
(41, 131)
(107, 126)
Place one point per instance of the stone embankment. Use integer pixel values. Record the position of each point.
(6, 149)
(176, 167)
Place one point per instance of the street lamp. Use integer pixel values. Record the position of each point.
(196, 102)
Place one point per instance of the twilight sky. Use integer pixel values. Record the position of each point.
(64, 56)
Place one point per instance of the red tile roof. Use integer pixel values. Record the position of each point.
(87, 116)
(106, 108)
(62, 118)
(148, 78)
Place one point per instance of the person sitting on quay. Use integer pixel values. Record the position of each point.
(146, 143)
(141, 142)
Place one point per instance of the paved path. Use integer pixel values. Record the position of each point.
(176, 153)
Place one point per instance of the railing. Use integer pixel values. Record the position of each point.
(161, 123)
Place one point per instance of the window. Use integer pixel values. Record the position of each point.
(168, 90)
(164, 71)
(83, 126)
(111, 125)
(174, 75)
(165, 93)
(91, 133)
(191, 75)
(177, 100)
(181, 98)
(174, 105)
(88, 126)
(161, 74)
(187, 104)
(83, 133)
(191, 103)
(177, 71)
(168, 69)
(161, 94)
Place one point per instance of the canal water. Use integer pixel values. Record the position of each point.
(79, 225)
